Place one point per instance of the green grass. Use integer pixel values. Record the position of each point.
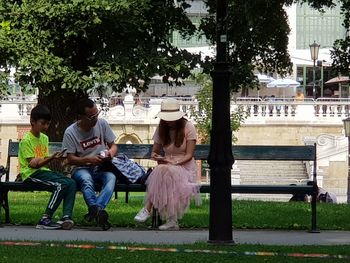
(26, 209)
(57, 252)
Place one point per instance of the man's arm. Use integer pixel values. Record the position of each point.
(113, 149)
(72, 159)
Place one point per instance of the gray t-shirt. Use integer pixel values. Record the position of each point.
(89, 143)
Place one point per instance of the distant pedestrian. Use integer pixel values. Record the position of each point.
(297, 197)
(119, 101)
(324, 196)
(299, 96)
(137, 99)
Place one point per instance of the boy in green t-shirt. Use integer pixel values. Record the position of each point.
(33, 156)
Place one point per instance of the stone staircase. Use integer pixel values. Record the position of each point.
(271, 173)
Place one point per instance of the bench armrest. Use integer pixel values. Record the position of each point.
(3, 171)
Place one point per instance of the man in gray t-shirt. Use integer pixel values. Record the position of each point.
(89, 142)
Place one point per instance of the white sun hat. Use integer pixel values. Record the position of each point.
(170, 110)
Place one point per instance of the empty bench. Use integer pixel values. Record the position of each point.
(143, 151)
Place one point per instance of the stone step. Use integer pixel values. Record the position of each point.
(286, 173)
(262, 197)
(269, 164)
(269, 177)
(275, 181)
(267, 161)
(270, 173)
(271, 167)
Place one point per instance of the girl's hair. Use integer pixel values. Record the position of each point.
(164, 132)
(40, 112)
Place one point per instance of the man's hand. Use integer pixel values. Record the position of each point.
(95, 160)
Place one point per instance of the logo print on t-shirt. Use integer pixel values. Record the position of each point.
(90, 143)
(40, 150)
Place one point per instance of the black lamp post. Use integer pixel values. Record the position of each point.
(347, 134)
(220, 157)
(314, 48)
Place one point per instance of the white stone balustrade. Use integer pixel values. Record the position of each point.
(291, 111)
(258, 111)
(324, 112)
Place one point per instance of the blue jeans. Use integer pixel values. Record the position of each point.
(86, 179)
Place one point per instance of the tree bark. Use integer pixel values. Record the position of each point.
(62, 104)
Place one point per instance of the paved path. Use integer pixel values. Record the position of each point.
(122, 235)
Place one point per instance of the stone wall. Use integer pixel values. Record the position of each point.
(335, 180)
(282, 134)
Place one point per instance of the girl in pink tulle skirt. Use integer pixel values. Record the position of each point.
(172, 184)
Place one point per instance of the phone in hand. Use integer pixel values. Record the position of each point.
(63, 151)
(104, 154)
(159, 158)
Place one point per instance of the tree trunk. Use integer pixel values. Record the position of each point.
(62, 104)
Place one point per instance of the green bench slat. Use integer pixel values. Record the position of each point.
(263, 152)
(259, 189)
(240, 152)
(262, 189)
(20, 186)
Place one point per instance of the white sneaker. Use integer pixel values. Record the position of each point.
(170, 225)
(142, 215)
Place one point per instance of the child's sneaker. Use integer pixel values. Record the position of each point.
(46, 223)
(66, 223)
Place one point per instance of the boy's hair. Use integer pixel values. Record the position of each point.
(40, 112)
(84, 103)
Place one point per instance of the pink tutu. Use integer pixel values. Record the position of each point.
(170, 189)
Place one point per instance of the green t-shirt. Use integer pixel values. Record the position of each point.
(32, 147)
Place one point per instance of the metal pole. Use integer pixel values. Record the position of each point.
(314, 196)
(220, 157)
(348, 192)
(321, 84)
(314, 78)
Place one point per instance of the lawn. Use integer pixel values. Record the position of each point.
(201, 252)
(26, 209)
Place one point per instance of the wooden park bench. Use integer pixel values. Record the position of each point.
(143, 151)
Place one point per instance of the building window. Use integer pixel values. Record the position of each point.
(195, 13)
(324, 28)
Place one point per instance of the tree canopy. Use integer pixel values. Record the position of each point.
(74, 44)
(340, 53)
(257, 33)
(66, 47)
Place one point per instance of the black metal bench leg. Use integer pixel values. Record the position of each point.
(1, 204)
(313, 214)
(127, 197)
(7, 209)
(156, 221)
(5, 204)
